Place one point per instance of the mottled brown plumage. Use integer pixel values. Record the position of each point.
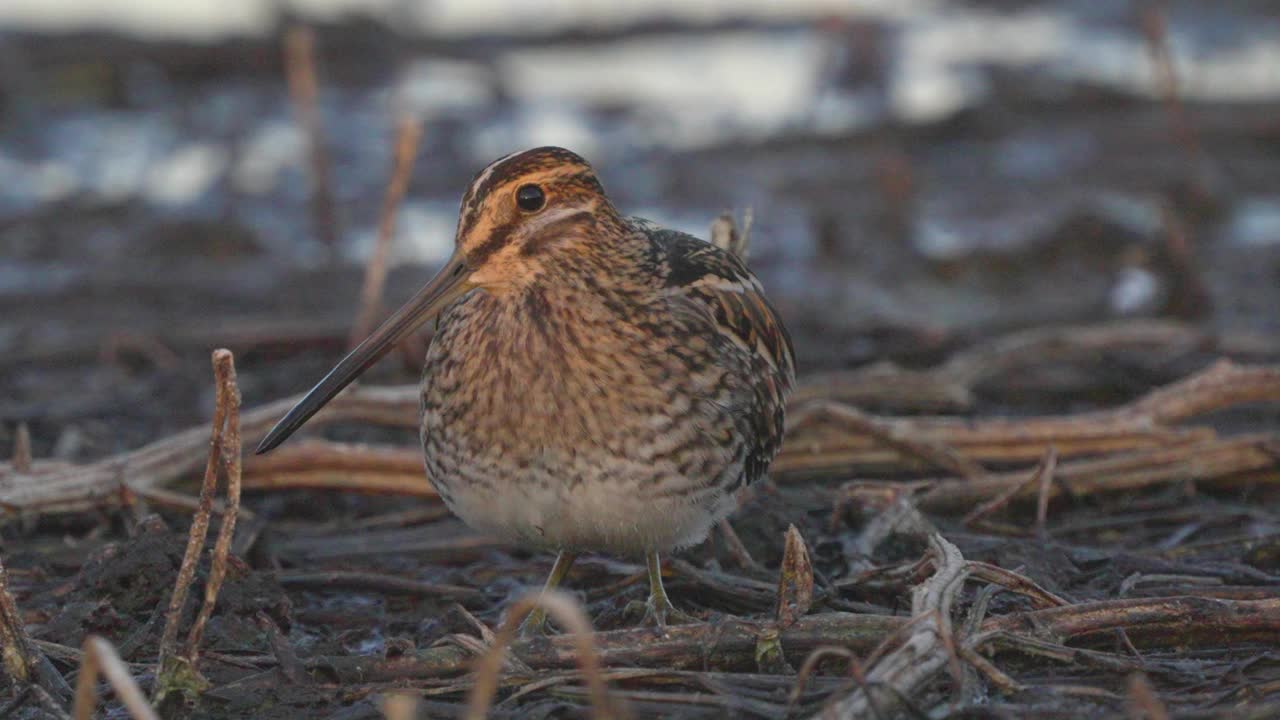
(597, 382)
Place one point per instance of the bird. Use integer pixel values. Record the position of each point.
(596, 383)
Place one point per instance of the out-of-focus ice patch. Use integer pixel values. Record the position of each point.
(423, 236)
(28, 279)
(1142, 216)
(25, 185)
(837, 113)
(950, 228)
(938, 241)
(1256, 222)
(460, 17)
(186, 174)
(429, 86)
(111, 153)
(287, 235)
(211, 19)
(1250, 71)
(1043, 154)
(425, 233)
(1246, 70)
(201, 19)
(935, 75)
(1135, 292)
(533, 125)
(274, 147)
(687, 91)
(922, 92)
(335, 10)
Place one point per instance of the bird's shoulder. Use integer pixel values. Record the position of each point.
(719, 283)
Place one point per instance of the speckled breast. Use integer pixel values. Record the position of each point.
(547, 422)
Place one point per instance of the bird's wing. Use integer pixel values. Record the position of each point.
(717, 284)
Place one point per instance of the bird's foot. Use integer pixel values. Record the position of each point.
(658, 614)
(534, 625)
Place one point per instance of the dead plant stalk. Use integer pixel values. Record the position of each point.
(408, 132)
(100, 658)
(570, 615)
(224, 452)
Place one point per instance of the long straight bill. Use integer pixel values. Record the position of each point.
(448, 285)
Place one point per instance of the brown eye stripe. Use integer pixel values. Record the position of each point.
(492, 244)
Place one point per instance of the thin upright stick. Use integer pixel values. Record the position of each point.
(22, 449)
(408, 132)
(100, 658)
(225, 371)
(568, 614)
(300, 69)
(227, 396)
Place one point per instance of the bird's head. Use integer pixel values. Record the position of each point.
(518, 218)
(522, 211)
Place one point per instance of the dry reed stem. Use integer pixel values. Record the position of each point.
(300, 72)
(286, 658)
(1164, 622)
(811, 663)
(897, 436)
(813, 445)
(225, 405)
(817, 440)
(948, 387)
(1049, 464)
(47, 701)
(737, 550)
(1170, 620)
(926, 650)
(179, 501)
(21, 462)
(1155, 30)
(1042, 470)
(60, 487)
(376, 582)
(319, 465)
(100, 657)
(998, 677)
(1211, 461)
(408, 132)
(899, 515)
(569, 614)
(229, 456)
(1017, 583)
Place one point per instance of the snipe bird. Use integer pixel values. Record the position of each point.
(596, 383)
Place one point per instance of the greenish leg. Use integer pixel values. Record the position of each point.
(535, 623)
(658, 610)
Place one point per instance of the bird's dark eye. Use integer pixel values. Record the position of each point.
(530, 198)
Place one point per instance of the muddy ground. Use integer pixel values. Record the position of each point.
(1055, 247)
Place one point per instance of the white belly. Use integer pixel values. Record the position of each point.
(612, 513)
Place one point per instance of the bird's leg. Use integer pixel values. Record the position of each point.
(658, 610)
(535, 623)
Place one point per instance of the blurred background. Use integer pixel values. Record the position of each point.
(921, 174)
